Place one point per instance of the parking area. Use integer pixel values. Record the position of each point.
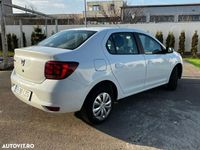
(155, 119)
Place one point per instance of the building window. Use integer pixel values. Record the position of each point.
(169, 18)
(96, 7)
(182, 18)
(140, 19)
(135, 19)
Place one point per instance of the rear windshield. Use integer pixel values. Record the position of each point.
(67, 39)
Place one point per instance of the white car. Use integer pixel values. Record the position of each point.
(87, 69)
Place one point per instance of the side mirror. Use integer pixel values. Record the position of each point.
(170, 50)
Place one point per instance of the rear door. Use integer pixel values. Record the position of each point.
(127, 64)
(157, 61)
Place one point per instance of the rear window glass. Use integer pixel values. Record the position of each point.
(67, 39)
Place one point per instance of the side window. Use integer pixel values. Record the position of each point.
(110, 46)
(122, 43)
(150, 46)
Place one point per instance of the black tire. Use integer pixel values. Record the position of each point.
(173, 80)
(88, 106)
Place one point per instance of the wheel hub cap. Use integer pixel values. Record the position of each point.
(102, 106)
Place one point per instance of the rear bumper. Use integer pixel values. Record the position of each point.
(66, 94)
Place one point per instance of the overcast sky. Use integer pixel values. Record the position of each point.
(76, 6)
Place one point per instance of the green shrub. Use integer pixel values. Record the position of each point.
(14, 42)
(52, 33)
(0, 42)
(159, 36)
(170, 41)
(194, 44)
(181, 48)
(37, 35)
(9, 42)
(24, 40)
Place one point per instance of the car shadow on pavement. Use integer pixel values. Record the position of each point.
(159, 118)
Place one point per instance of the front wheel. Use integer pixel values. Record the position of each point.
(173, 80)
(98, 105)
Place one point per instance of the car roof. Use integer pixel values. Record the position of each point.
(117, 29)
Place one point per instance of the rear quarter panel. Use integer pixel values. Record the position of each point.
(86, 55)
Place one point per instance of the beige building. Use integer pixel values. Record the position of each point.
(104, 11)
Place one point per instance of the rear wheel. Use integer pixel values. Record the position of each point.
(98, 105)
(173, 81)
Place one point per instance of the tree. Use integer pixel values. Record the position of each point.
(194, 44)
(181, 48)
(159, 36)
(170, 41)
(111, 13)
(75, 19)
(133, 15)
(37, 36)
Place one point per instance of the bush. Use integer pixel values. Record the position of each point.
(9, 42)
(14, 42)
(24, 40)
(37, 36)
(181, 48)
(194, 44)
(159, 36)
(0, 42)
(52, 33)
(170, 41)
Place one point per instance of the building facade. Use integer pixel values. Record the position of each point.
(161, 13)
(104, 11)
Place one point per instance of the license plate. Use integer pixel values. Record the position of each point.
(26, 94)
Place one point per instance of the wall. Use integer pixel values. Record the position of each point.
(176, 28)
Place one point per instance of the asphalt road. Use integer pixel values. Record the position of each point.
(155, 119)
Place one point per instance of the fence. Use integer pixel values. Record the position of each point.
(4, 16)
(176, 28)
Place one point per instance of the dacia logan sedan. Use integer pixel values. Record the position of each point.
(87, 69)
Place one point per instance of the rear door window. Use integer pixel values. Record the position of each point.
(122, 43)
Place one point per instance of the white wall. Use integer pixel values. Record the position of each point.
(176, 28)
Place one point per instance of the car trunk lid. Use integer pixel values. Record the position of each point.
(29, 63)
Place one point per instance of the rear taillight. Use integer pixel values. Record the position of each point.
(57, 70)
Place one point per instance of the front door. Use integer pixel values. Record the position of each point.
(158, 66)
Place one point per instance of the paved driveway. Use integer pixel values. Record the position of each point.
(156, 119)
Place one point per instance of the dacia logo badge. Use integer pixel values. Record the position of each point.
(23, 62)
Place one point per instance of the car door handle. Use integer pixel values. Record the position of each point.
(119, 65)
